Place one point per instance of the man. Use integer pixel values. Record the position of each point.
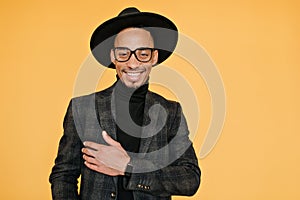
(126, 142)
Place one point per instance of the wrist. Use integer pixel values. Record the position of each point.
(129, 168)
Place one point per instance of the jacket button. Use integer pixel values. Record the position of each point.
(113, 195)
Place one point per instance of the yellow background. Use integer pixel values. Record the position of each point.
(255, 45)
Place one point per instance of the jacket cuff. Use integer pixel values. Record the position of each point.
(129, 169)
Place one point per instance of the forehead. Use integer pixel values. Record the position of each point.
(134, 38)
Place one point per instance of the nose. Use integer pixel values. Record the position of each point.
(133, 62)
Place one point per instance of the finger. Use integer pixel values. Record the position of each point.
(91, 160)
(93, 166)
(92, 145)
(109, 140)
(89, 152)
(103, 169)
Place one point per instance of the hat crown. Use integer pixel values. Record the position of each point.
(128, 11)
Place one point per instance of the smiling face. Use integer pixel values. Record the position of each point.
(134, 73)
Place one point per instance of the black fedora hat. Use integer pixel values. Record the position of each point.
(163, 31)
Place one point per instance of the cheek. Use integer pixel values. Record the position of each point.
(118, 70)
(148, 70)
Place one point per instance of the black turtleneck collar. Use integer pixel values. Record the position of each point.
(135, 95)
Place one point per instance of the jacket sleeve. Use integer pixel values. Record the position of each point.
(66, 171)
(180, 177)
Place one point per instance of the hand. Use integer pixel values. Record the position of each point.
(109, 159)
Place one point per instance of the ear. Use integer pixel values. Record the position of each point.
(112, 57)
(154, 57)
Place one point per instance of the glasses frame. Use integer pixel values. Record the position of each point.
(134, 52)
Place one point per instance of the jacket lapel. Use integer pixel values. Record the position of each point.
(106, 111)
(153, 125)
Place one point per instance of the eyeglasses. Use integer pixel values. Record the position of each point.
(123, 54)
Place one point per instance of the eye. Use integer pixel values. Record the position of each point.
(144, 53)
(121, 53)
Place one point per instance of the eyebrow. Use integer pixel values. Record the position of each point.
(142, 47)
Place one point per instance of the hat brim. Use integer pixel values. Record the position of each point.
(163, 31)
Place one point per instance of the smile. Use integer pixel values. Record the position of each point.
(133, 76)
(133, 73)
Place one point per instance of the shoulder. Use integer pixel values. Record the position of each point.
(90, 100)
(159, 99)
(99, 94)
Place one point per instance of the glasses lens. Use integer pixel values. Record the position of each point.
(143, 55)
(122, 54)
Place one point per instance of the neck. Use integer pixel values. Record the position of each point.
(123, 92)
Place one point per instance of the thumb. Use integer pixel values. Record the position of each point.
(109, 140)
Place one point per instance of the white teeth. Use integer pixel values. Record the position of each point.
(132, 74)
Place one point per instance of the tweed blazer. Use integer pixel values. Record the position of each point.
(166, 164)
